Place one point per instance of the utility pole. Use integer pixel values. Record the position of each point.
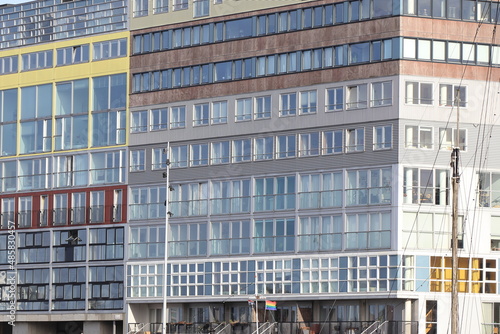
(455, 179)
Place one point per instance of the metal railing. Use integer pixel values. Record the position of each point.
(325, 327)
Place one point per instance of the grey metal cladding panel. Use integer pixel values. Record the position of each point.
(277, 166)
(272, 167)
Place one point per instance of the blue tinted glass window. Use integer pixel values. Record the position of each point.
(339, 13)
(307, 18)
(329, 15)
(354, 11)
(223, 71)
(239, 28)
(294, 16)
(359, 53)
(271, 23)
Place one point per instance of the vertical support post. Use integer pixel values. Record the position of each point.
(454, 229)
(166, 176)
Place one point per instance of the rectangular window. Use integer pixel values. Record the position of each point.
(426, 186)
(220, 153)
(109, 92)
(356, 97)
(8, 174)
(418, 93)
(178, 117)
(37, 60)
(25, 212)
(334, 99)
(381, 94)
(188, 239)
(158, 119)
(97, 206)
(262, 107)
(109, 128)
(140, 8)
(147, 203)
(320, 190)
(219, 112)
(448, 136)
(309, 144)
(160, 6)
(180, 4)
(230, 238)
(333, 142)
(489, 190)
(308, 102)
(199, 155)
(368, 187)
(368, 231)
(159, 158)
(139, 121)
(244, 109)
(106, 244)
(106, 283)
(274, 193)
(242, 150)
(36, 136)
(137, 161)
(189, 199)
(272, 236)
(320, 233)
(107, 167)
(73, 55)
(60, 211)
(359, 53)
(8, 64)
(179, 156)
(230, 196)
(78, 208)
(450, 94)
(147, 242)
(32, 174)
(382, 137)
(264, 149)
(8, 212)
(285, 146)
(418, 136)
(69, 286)
(110, 49)
(355, 140)
(288, 104)
(201, 114)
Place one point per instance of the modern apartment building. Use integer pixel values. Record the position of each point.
(307, 145)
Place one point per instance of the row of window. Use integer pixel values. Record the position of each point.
(304, 191)
(200, 7)
(68, 289)
(281, 22)
(43, 130)
(315, 59)
(311, 234)
(261, 107)
(62, 209)
(67, 245)
(264, 148)
(43, 22)
(419, 136)
(275, 64)
(64, 56)
(316, 275)
(63, 171)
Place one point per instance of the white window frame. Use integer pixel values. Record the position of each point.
(332, 95)
(355, 140)
(219, 112)
(381, 94)
(177, 117)
(382, 132)
(244, 109)
(139, 121)
(287, 100)
(201, 114)
(413, 93)
(356, 96)
(260, 111)
(158, 119)
(417, 132)
(306, 144)
(308, 102)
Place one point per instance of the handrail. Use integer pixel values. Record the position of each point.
(134, 331)
(223, 328)
(269, 326)
(369, 328)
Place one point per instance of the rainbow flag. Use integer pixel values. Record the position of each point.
(271, 306)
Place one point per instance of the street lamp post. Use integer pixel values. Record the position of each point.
(166, 176)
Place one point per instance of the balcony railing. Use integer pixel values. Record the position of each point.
(324, 327)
